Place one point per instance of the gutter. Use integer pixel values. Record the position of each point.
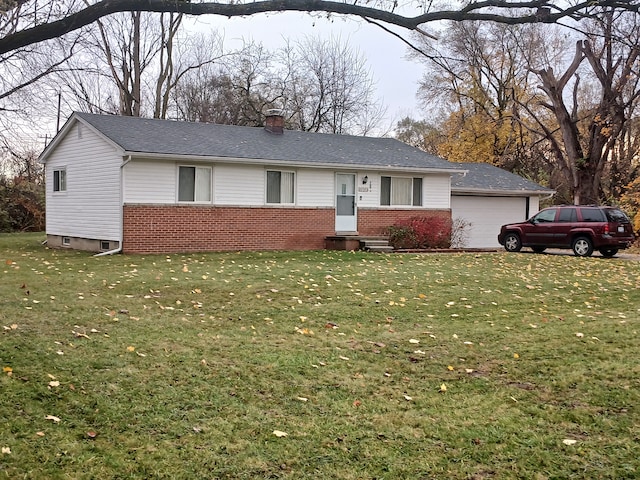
(288, 163)
(503, 193)
(119, 249)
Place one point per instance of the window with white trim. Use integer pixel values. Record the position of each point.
(60, 180)
(194, 184)
(401, 191)
(280, 186)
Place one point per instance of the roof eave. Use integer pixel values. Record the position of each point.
(287, 163)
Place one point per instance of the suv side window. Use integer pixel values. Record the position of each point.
(592, 215)
(545, 216)
(568, 215)
(615, 215)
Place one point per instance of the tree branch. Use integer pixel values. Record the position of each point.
(512, 12)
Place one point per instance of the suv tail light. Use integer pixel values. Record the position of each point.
(606, 229)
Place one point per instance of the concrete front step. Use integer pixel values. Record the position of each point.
(376, 245)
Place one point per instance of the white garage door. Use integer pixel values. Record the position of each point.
(487, 214)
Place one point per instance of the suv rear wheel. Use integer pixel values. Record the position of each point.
(608, 252)
(538, 249)
(512, 242)
(582, 247)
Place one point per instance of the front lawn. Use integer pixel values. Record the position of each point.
(317, 365)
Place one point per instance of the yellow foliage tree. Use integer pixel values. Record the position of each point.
(630, 202)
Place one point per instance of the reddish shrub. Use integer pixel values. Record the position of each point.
(421, 232)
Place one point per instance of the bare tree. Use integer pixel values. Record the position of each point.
(329, 88)
(590, 128)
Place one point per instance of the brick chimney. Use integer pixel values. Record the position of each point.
(274, 122)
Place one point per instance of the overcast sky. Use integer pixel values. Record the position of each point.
(396, 77)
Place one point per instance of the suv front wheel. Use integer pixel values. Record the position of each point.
(582, 247)
(512, 242)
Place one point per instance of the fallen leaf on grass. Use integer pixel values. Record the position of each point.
(302, 399)
(7, 370)
(343, 358)
(54, 383)
(407, 398)
(6, 450)
(516, 356)
(579, 335)
(443, 388)
(131, 349)
(91, 434)
(40, 434)
(52, 418)
(280, 434)
(414, 341)
(569, 441)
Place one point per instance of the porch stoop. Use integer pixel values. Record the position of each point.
(377, 243)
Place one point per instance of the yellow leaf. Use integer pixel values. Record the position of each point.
(450, 368)
(422, 295)
(6, 450)
(443, 388)
(54, 383)
(279, 433)
(52, 418)
(131, 349)
(7, 369)
(516, 356)
(40, 434)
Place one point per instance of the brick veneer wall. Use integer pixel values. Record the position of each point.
(179, 228)
(190, 228)
(374, 221)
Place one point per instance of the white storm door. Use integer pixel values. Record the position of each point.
(346, 220)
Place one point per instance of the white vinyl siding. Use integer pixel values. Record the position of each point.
(238, 185)
(436, 191)
(138, 187)
(91, 206)
(315, 188)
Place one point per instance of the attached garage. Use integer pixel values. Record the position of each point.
(487, 197)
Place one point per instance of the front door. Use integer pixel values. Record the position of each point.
(346, 220)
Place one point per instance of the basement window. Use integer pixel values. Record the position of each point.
(105, 245)
(66, 241)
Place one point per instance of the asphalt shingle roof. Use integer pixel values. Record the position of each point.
(488, 178)
(154, 136)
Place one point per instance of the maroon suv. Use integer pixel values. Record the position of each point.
(581, 228)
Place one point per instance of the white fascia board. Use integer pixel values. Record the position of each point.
(287, 163)
(500, 193)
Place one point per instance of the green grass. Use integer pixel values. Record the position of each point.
(183, 366)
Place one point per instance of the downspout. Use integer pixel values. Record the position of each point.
(119, 249)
